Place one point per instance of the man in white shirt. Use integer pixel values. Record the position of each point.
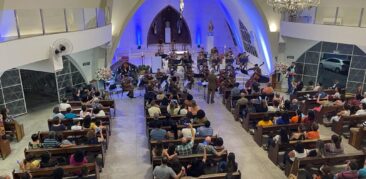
(154, 109)
(364, 98)
(187, 133)
(64, 105)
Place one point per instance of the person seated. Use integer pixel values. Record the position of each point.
(29, 163)
(200, 117)
(160, 95)
(294, 105)
(46, 161)
(310, 86)
(313, 133)
(335, 147)
(35, 143)
(345, 112)
(299, 134)
(186, 131)
(361, 111)
(243, 100)
(268, 90)
(299, 152)
(157, 133)
(210, 149)
(219, 144)
(235, 92)
(310, 118)
(78, 159)
(154, 109)
(206, 130)
(285, 106)
(185, 148)
(197, 167)
(93, 137)
(362, 171)
(274, 107)
(84, 112)
(57, 113)
(265, 122)
(58, 126)
(69, 114)
(64, 105)
(88, 124)
(350, 172)
(182, 110)
(193, 108)
(297, 117)
(173, 107)
(76, 126)
(97, 112)
(228, 166)
(163, 171)
(64, 141)
(317, 87)
(159, 149)
(284, 119)
(99, 127)
(298, 86)
(261, 107)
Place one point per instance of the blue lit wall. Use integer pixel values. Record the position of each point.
(196, 13)
(247, 11)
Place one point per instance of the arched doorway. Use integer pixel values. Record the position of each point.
(178, 28)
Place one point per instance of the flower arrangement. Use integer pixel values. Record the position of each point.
(104, 74)
(281, 68)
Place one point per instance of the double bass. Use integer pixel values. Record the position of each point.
(256, 77)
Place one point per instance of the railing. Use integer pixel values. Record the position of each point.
(22, 23)
(340, 16)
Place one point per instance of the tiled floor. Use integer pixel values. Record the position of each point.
(128, 155)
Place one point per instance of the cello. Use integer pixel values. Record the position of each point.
(256, 77)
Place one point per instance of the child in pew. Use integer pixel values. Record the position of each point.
(313, 133)
(69, 114)
(297, 118)
(35, 143)
(29, 163)
(228, 166)
(84, 112)
(282, 138)
(335, 147)
(299, 134)
(298, 152)
(284, 119)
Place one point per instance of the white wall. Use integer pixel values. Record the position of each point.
(94, 57)
(294, 47)
(338, 34)
(37, 48)
(37, 4)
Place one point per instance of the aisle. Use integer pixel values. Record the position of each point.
(128, 154)
(253, 161)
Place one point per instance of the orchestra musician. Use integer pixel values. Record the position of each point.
(187, 61)
(242, 60)
(128, 86)
(229, 57)
(215, 58)
(201, 60)
(255, 76)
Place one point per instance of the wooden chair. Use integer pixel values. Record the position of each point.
(340, 127)
(15, 129)
(357, 136)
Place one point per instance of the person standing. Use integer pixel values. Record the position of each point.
(290, 75)
(211, 88)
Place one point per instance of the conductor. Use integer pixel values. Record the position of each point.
(211, 88)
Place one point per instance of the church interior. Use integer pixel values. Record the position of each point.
(163, 89)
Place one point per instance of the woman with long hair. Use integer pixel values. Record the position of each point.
(335, 147)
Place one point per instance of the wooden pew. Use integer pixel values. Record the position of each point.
(255, 117)
(105, 103)
(67, 122)
(356, 137)
(189, 158)
(69, 171)
(15, 129)
(300, 94)
(174, 117)
(5, 149)
(178, 141)
(96, 149)
(76, 111)
(260, 131)
(338, 127)
(330, 161)
(179, 127)
(326, 109)
(76, 134)
(235, 175)
(273, 150)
